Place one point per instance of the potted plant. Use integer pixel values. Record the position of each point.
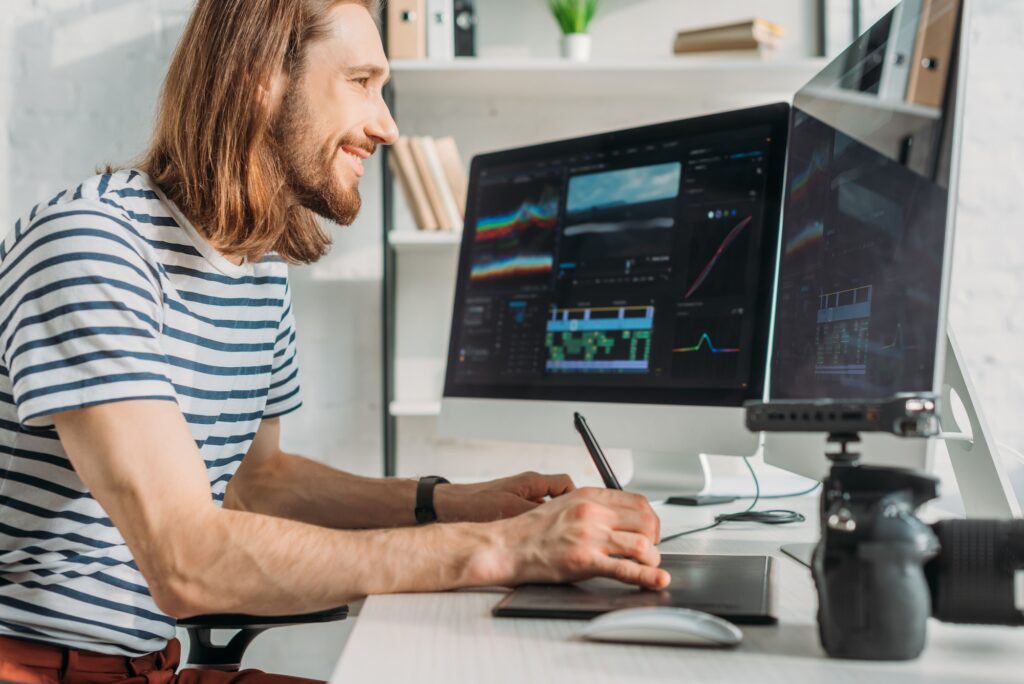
(573, 17)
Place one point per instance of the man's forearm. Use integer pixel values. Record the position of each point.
(246, 562)
(295, 487)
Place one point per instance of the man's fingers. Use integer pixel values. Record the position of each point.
(636, 546)
(631, 572)
(560, 484)
(637, 521)
(535, 486)
(616, 498)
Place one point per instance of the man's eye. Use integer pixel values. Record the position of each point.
(362, 81)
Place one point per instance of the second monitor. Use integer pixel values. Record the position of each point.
(626, 275)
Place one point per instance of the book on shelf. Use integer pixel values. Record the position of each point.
(452, 215)
(454, 171)
(404, 168)
(754, 35)
(407, 29)
(929, 71)
(426, 176)
(433, 178)
(440, 29)
(431, 29)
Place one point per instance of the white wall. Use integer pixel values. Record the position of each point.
(78, 79)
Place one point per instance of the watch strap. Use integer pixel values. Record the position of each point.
(425, 512)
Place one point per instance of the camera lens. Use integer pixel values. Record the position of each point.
(978, 576)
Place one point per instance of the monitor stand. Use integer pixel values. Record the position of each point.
(801, 553)
(659, 475)
(977, 464)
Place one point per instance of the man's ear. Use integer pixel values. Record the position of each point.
(269, 94)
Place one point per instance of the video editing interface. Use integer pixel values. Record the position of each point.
(860, 272)
(633, 266)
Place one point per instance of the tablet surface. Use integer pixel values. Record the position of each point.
(738, 588)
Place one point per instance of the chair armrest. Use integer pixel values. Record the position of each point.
(242, 621)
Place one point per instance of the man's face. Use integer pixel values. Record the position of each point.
(333, 117)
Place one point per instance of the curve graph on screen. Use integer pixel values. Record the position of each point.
(699, 251)
(514, 237)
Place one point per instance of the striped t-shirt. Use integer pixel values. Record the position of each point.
(107, 293)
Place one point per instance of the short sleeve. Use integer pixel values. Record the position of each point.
(80, 316)
(284, 395)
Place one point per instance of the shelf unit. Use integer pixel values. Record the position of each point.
(424, 263)
(566, 79)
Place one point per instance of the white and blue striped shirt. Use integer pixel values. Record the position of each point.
(107, 293)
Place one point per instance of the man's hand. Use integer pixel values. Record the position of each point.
(575, 537)
(497, 499)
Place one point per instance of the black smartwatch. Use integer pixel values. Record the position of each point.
(425, 512)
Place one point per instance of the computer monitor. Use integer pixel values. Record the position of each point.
(865, 250)
(626, 276)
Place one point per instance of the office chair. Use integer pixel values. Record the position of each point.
(204, 654)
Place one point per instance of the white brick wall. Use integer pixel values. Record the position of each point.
(986, 310)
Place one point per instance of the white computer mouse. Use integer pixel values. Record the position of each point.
(663, 625)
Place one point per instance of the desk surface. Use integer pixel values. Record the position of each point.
(451, 638)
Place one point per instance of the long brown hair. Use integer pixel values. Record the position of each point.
(210, 152)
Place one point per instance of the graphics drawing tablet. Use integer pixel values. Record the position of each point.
(737, 588)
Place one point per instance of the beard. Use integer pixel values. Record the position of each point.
(308, 166)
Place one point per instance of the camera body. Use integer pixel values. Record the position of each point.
(880, 571)
(873, 596)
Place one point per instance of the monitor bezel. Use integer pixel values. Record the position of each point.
(776, 116)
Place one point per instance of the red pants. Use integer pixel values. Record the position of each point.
(32, 662)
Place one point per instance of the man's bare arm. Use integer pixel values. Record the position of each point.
(139, 461)
(278, 483)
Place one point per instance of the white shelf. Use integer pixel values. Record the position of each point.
(681, 76)
(415, 408)
(870, 101)
(408, 240)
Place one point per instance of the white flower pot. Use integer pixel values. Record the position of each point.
(576, 46)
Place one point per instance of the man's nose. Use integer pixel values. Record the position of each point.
(382, 128)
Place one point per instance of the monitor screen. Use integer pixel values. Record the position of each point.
(632, 266)
(864, 250)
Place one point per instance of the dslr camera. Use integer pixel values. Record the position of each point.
(880, 571)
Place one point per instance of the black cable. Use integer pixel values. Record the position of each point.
(769, 517)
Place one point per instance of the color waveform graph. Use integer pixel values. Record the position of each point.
(731, 264)
(705, 343)
(515, 234)
(708, 349)
(599, 340)
(512, 267)
(541, 215)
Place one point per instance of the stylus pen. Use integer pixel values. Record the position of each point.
(610, 481)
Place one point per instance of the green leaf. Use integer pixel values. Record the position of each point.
(573, 16)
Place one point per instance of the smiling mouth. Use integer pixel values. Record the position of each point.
(355, 156)
(357, 153)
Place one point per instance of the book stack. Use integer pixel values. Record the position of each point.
(433, 178)
(752, 38)
(431, 29)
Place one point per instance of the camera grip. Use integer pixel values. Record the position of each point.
(873, 603)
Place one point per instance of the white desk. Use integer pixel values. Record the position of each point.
(451, 638)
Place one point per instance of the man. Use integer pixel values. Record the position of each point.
(148, 352)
